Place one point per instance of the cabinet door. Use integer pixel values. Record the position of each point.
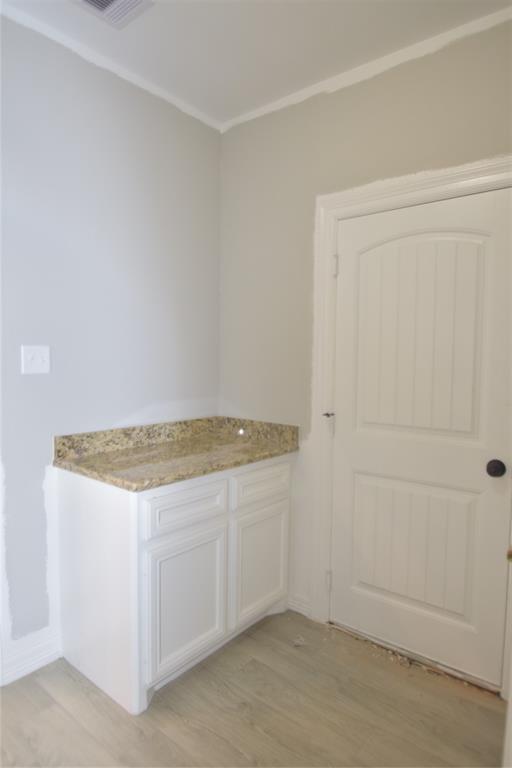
(187, 598)
(259, 561)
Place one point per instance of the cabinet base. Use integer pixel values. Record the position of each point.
(278, 607)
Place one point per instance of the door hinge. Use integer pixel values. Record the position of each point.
(331, 418)
(328, 580)
(335, 265)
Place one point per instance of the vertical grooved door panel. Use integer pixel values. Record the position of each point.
(419, 342)
(418, 545)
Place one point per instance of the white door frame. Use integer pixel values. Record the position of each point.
(390, 194)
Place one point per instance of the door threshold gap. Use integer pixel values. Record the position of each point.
(407, 658)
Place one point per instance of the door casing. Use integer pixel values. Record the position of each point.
(387, 195)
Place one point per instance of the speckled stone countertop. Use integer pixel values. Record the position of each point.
(138, 458)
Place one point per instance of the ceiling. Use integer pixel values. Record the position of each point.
(222, 59)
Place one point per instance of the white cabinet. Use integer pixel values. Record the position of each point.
(259, 545)
(184, 504)
(259, 484)
(187, 597)
(192, 563)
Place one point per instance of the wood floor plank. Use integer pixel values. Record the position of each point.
(350, 724)
(20, 702)
(328, 736)
(252, 727)
(342, 729)
(443, 715)
(53, 738)
(131, 740)
(288, 692)
(206, 746)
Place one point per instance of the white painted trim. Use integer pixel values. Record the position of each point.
(342, 80)
(23, 656)
(104, 62)
(300, 605)
(418, 188)
(390, 194)
(377, 66)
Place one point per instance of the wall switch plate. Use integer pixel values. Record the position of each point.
(35, 359)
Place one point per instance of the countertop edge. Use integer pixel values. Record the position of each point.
(138, 487)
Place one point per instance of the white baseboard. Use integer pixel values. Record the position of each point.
(299, 604)
(23, 656)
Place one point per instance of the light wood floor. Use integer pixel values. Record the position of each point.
(288, 692)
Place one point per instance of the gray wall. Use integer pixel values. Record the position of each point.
(448, 108)
(111, 249)
(110, 256)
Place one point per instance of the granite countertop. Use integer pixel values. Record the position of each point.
(138, 458)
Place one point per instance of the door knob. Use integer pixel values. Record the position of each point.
(496, 468)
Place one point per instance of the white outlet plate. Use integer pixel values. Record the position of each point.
(35, 359)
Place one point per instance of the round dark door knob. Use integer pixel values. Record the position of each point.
(496, 468)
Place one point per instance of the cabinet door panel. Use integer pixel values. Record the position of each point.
(187, 598)
(259, 561)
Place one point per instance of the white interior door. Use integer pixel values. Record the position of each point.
(423, 395)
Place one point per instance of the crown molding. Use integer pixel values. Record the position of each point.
(337, 82)
(485, 175)
(377, 66)
(104, 62)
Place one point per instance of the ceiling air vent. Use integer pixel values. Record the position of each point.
(118, 13)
